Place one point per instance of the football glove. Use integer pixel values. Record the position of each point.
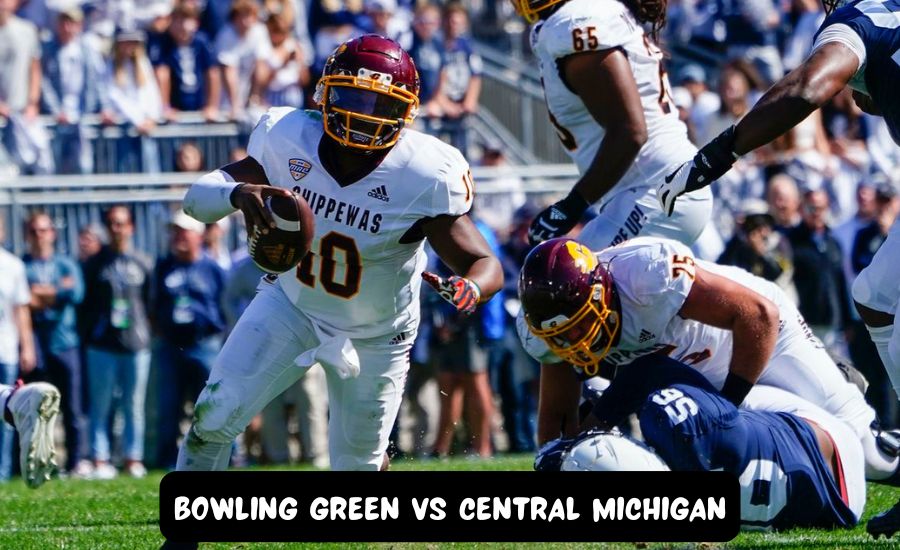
(557, 219)
(459, 291)
(708, 165)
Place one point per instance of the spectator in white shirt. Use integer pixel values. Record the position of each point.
(134, 96)
(17, 354)
(243, 49)
(288, 73)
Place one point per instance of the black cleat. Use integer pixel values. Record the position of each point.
(172, 545)
(886, 523)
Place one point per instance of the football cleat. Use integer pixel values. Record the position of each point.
(34, 408)
(888, 440)
(886, 523)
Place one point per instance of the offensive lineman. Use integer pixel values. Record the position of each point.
(378, 190)
(651, 295)
(797, 465)
(608, 97)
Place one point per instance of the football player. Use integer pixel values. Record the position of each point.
(858, 45)
(32, 410)
(609, 98)
(377, 189)
(797, 465)
(651, 295)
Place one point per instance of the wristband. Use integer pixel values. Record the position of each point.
(735, 389)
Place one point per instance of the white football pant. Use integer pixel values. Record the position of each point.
(846, 442)
(878, 287)
(636, 212)
(257, 363)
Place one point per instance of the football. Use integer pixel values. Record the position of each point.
(285, 245)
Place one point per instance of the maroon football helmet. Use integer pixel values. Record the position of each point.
(368, 92)
(570, 302)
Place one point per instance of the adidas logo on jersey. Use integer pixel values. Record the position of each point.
(400, 338)
(380, 193)
(645, 335)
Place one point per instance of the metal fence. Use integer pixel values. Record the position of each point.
(74, 201)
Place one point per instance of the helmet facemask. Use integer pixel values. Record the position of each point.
(531, 10)
(586, 337)
(366, 111)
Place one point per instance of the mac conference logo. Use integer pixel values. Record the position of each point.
(299, 168)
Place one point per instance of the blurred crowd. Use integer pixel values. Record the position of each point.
(138, 64)
(129, 339)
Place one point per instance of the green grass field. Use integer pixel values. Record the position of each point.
(123, 514)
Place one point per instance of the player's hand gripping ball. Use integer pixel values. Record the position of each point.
(280, 227)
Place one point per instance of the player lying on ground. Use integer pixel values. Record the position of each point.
(651, 295)
(797, 465)
(32, 409)
(858, 45)
(608, 97)
(378, 190)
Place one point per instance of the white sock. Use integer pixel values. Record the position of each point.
(878, 465)
(881, 337)
(5, 392)
(203, 456)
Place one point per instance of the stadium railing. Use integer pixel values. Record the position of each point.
(74, 201)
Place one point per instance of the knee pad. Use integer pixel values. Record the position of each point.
(217, 414)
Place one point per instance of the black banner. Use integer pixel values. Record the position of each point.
(449, 506)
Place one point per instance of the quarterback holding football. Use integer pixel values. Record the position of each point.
(377, 190)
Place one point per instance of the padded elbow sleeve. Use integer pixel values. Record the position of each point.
(209, 198)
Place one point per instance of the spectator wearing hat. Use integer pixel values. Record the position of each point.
(243, 49)
(752, 246)
(188, 322)
(117, 290)
(56, 290)
(385, 19)
(186, 67)
(71, 88)
(703, 102)
(135, 98)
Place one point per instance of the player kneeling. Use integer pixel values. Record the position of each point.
(799, 467)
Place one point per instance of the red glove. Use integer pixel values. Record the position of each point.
(459, 291)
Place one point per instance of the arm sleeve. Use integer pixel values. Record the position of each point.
(843, 34)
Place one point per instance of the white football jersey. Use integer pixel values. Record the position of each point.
(653, 277)
(585, 25)
(363, 273)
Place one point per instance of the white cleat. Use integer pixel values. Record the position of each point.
(34, 408)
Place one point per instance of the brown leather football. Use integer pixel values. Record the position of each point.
(285, 245)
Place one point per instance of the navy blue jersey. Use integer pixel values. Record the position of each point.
(877, 22)
(785, 482)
